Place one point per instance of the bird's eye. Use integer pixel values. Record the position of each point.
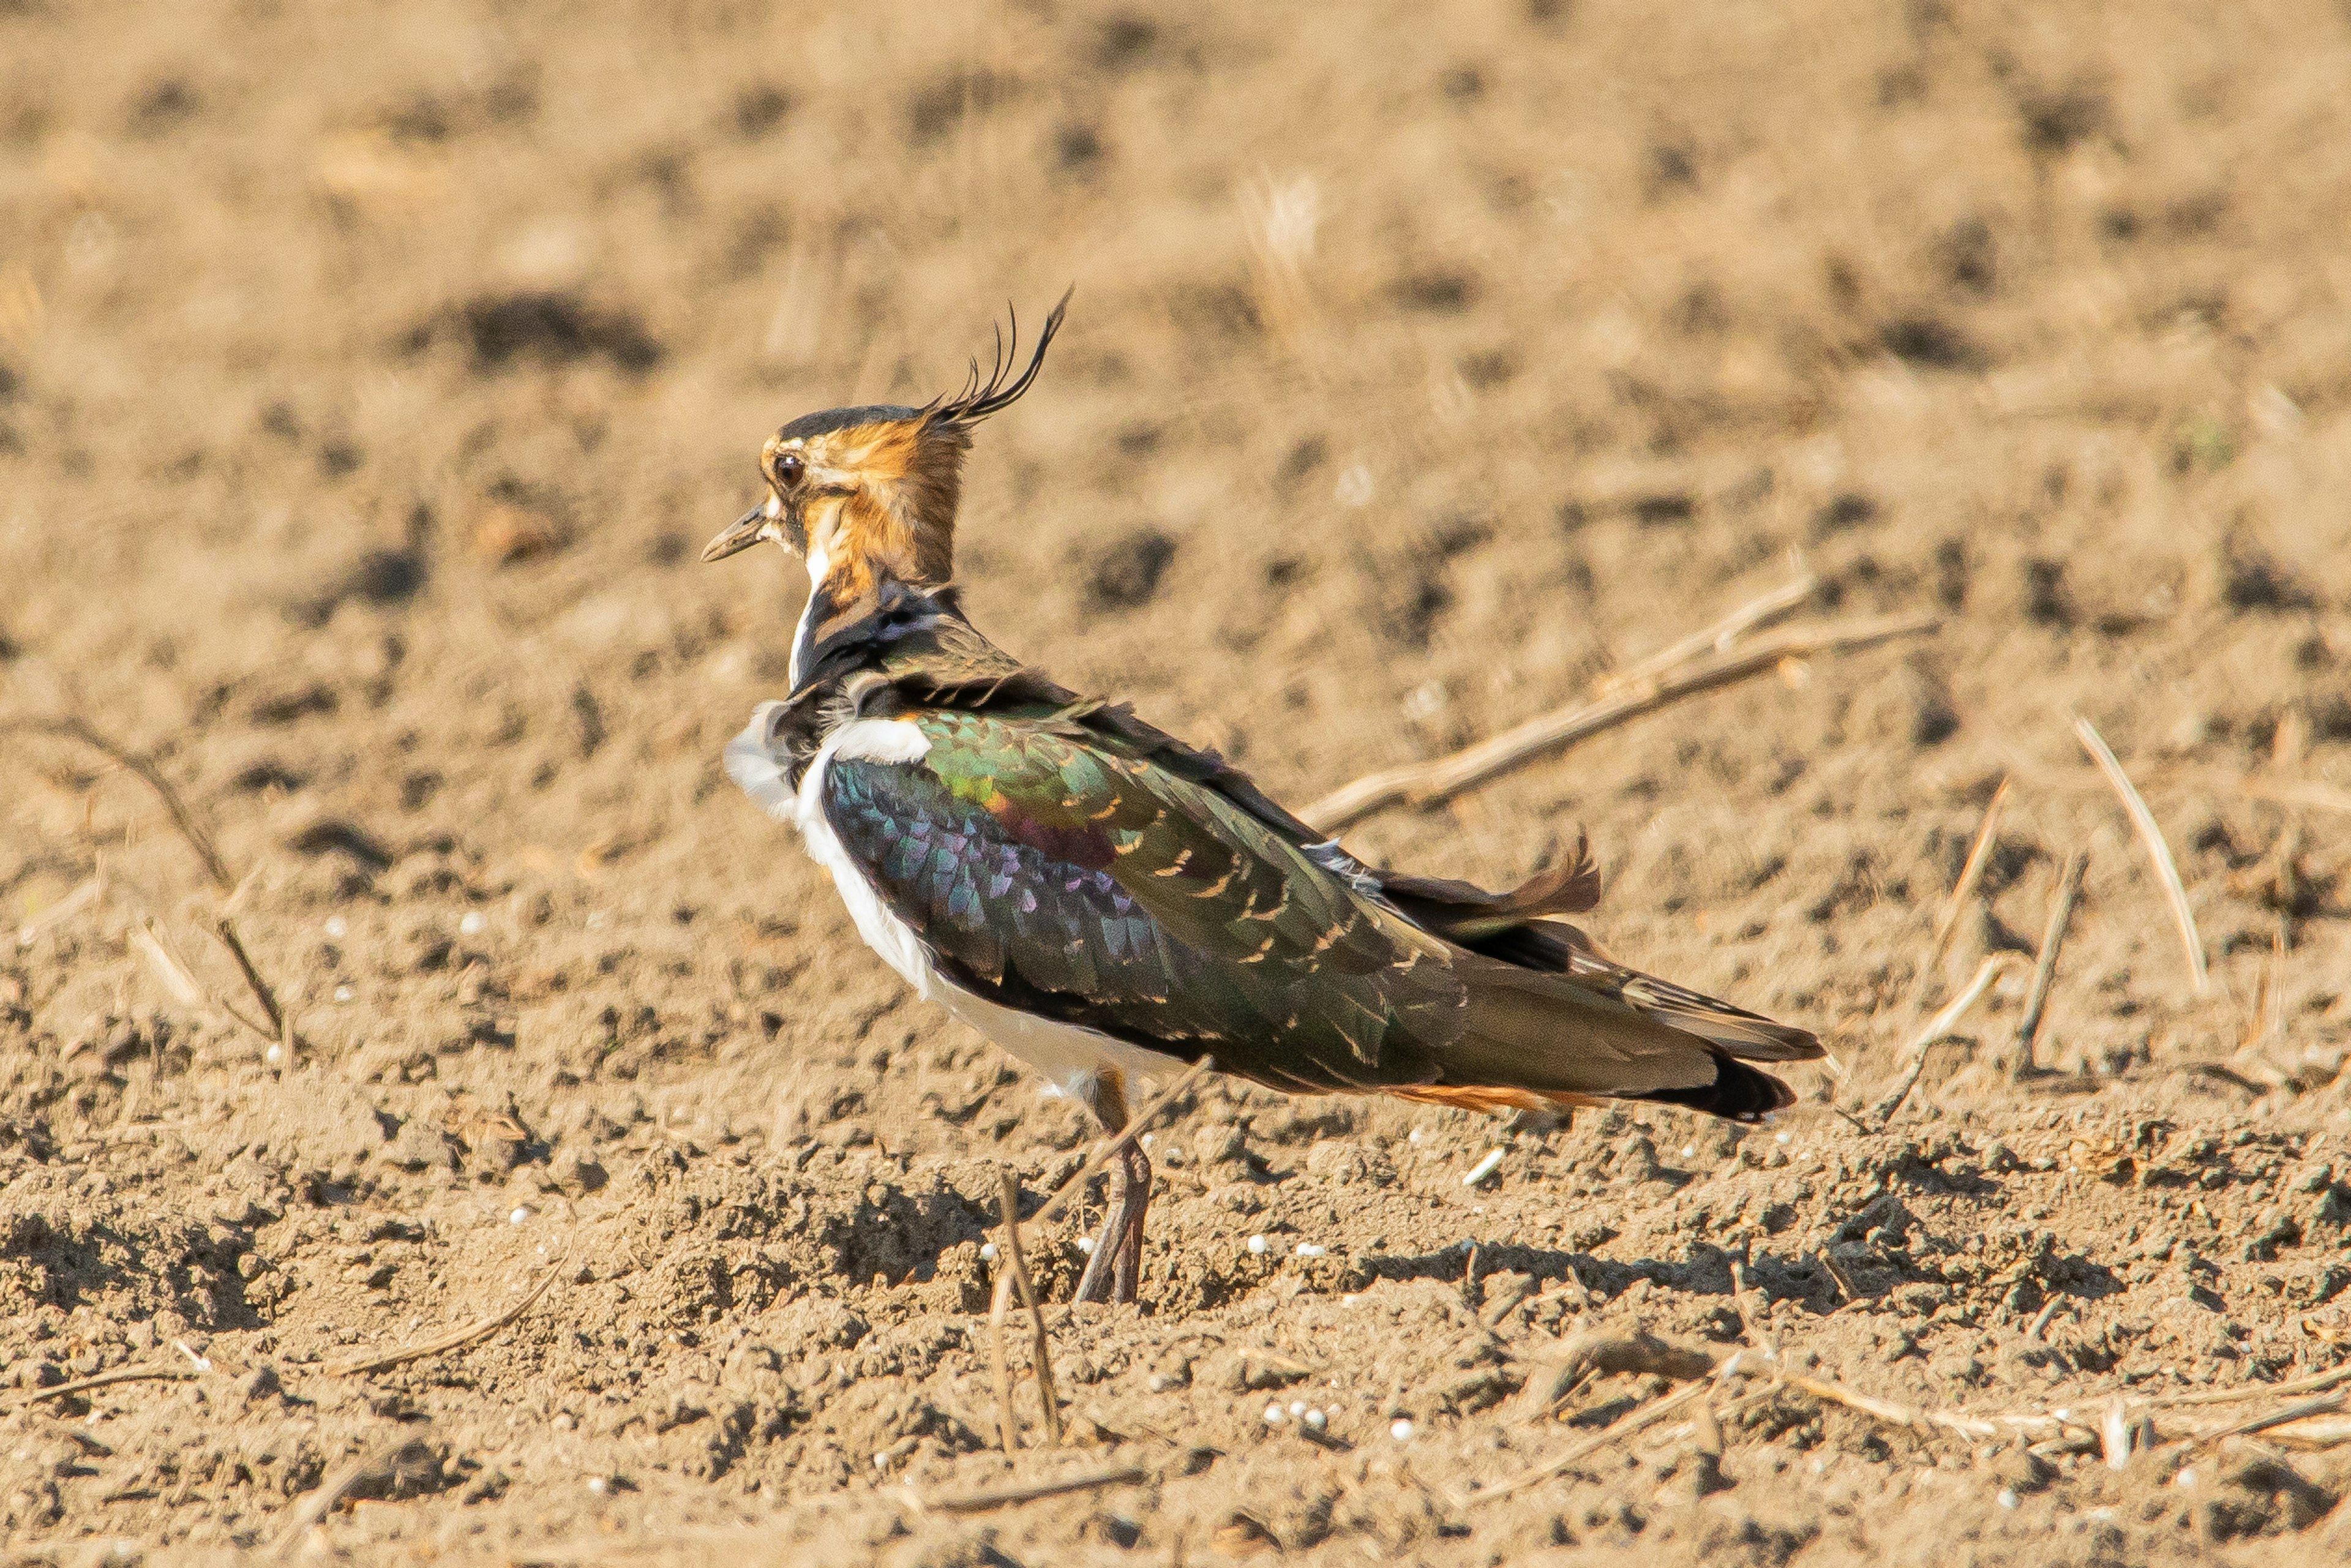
(789, 469)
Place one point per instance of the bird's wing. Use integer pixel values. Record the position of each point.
(1060, 874)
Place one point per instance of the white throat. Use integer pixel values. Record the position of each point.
(820, 565)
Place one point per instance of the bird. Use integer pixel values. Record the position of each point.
(1110, 905)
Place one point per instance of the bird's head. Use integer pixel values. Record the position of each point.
(869, 495)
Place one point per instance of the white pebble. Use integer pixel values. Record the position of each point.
(1086, 1244)
(1485, 1168)
(989, 1252)
(599, 1485)
(1350, 1298)
(1144, 1140)
(518, 1216)
(1257, 1244)
(1689, 1151)
(2007, 1499)
(881, 1461)
(1297, 1407)
(471, 923)
(337, 927)
(275, 1054)
(2186, 1477)
(1783, 1138)
(344, 993)
(1311, 1250)
(1316, 1419)
(1275, 1415)
(1417, 1136)
(1401, 1431)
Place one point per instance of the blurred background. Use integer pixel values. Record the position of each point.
(371, 375)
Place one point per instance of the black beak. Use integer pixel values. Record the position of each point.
(744, 532)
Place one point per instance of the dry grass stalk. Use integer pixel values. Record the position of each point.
(1008, 1424)
(1108, 1148)
(183, 819)
(1616, 1431)
(2316, 1383)
(1031, 1491)
(1758, 612)
(2294, 792)
(2044, 969)
(281, 1023)
(1016, 1265)
(1939, 1028)
(1971, 874)
(1432, 783)
(409, 1444)
(1589, 1354)
(165, 1370)
(63, 910)
(1281, 218)
(2301, 1410)
(2166, 870)
(455, 1339)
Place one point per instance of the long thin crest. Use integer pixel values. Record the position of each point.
(999, 389)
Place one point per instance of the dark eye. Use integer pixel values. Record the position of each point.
(789, 469)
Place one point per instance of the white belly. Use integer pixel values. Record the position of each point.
(1071, 1057)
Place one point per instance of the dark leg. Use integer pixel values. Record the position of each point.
(1115, 1269)
(1134, 1202)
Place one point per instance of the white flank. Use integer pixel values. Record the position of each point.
(1071, 1057)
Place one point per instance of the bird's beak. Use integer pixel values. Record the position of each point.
(746, 530)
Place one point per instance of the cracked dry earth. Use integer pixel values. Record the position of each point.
(368, 379)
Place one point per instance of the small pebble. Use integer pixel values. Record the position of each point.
(989, 1252)
(599, 1485)
(2007, 1499)
(2186, 1477)
(1257, 1244)
(1417, 1136)
(471, 923)
(337, 927)
(518, 1216)
(1310, 1250)
(1275, 1415)
(1783, 1138)
(275, 1054)
(1316, 1419)
(1086, 1244)
(1297, 1407)
(881, 1461)
(344, 993)
(1689, 1151)
(1401, 1431)
(565, 1421)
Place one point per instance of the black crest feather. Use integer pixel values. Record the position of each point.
(1000, 388)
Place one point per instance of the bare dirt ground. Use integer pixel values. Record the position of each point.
(369, 375)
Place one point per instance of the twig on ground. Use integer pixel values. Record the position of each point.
(2166, 870)
(281, 1023)
(1106, 1150)
(1028, 1491)
(2044, 969)
(1781, 601)
(1971, 874)
(456, 1339)
(150, 1372)
(409, 1444)
(1750, 1317)
(2315, 1384)
(182, 818)
(1016, 1264)
(1431, 783)
(1591, 1354)
(63, 910)
(1843, 1285)
(2317, 796)
(1007, 1423)
(2325, 1405)
(1616, 1431)
(1938, 1027)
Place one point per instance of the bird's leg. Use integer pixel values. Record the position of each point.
(1134, 1202)
(1107, 1100)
